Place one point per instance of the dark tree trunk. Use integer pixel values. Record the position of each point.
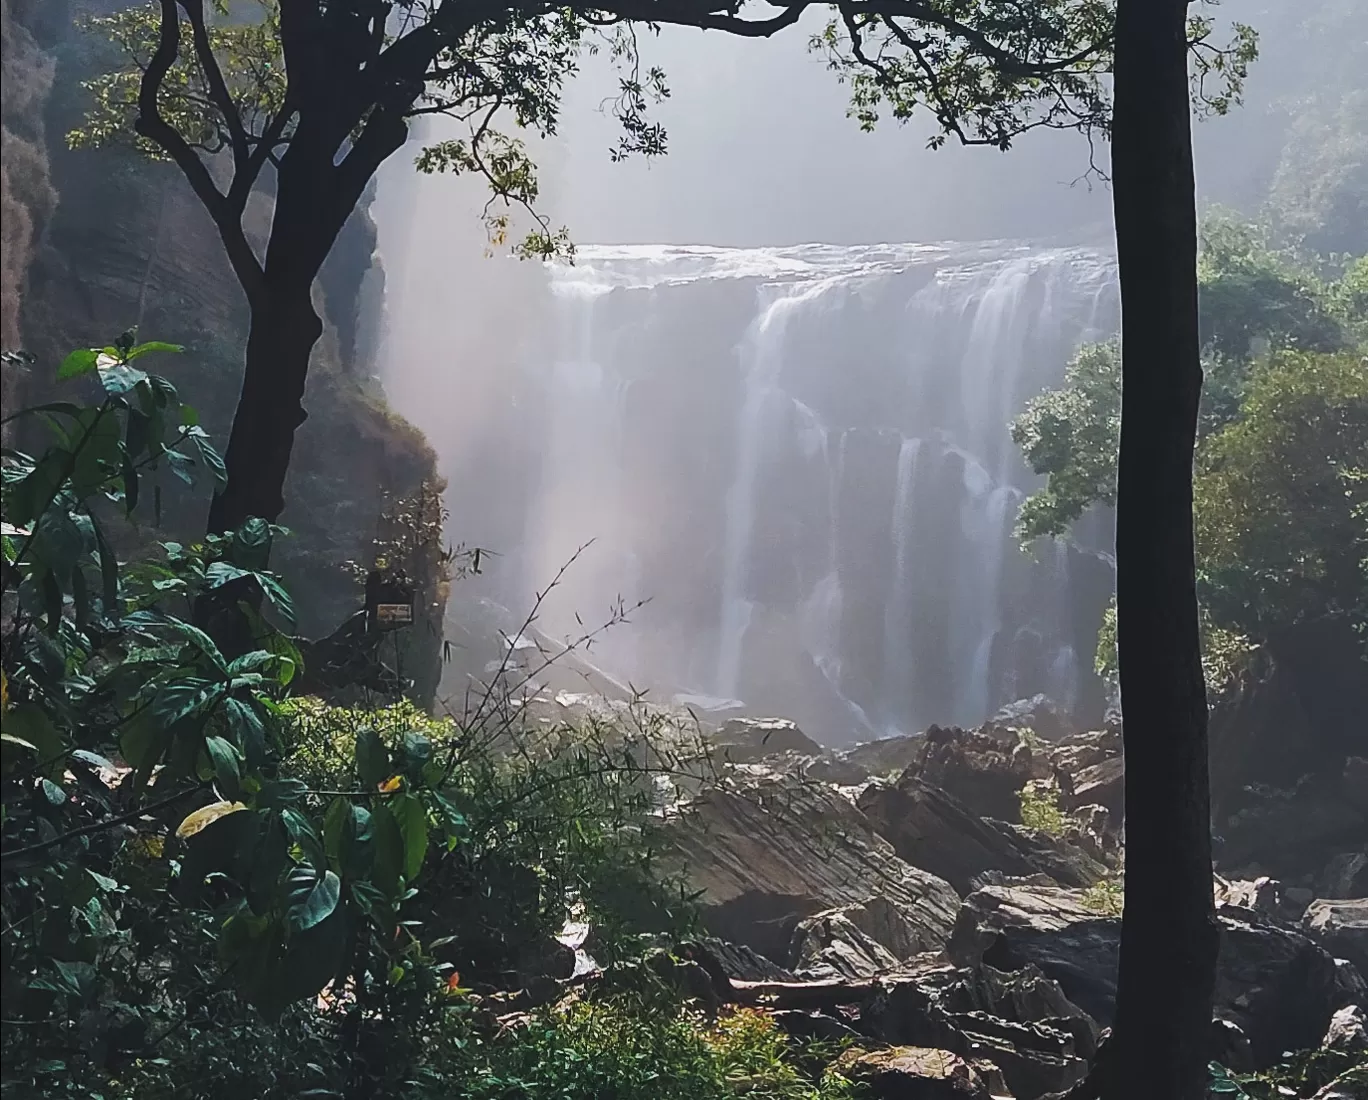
(1169, 934)
(284, 328)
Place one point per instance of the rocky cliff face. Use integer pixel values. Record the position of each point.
(97, 242)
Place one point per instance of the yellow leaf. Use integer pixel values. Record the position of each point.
(390, 785)
(205, 816)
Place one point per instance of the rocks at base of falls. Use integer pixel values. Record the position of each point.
(916, 1073)
(1342, 926)
(767, 850)
(745, 740)
(1277, 989)
(889, 894)
(929, 828)
(1039, 714)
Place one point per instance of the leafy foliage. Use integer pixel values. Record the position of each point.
(1278, 483)
(1302, 1074)
(632, 1046)
(1277, 494)
(1040, 809)
(192, 859)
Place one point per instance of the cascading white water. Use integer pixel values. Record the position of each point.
(762, 359)
(802, 456)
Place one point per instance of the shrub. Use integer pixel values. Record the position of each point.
(1040, 809)
(636, 1046)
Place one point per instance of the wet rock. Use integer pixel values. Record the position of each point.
(931, 829)
(914, 1073)
(1348, 1031)
(745, 740)
(887, 756)
(1103, 784)
(1341, 925)
(1039, 714)
(1345, 876)
(985, 769)
(734, 961)
(854, 941)
(1274, 984)
(767, 850)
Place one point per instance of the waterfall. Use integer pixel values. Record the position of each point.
(898, 616)
(801, 456)
(762, 355)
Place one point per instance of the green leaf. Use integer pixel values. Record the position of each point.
(221, 572)
(53, 793)
(79, 362)
(389, 851)
(312, 897)
(247, 727)
(118, 378)
(224, 758)
(372, 759)
(301, 832)
(347, 837)
(411, 816)
(415, 750)
(150, 346)
(30, 725)
(183, 698)
(213, 461)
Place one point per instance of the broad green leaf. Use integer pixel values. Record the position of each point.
(415, 750)
(80, 361)
(389, 851)
(118, 378)
(224, 759)
(301, 832)
(183, 698)
(213, 461)
(412, 818)
(206, 815)
(247, 727)
(312, 897)
(221, 572)
(372, 759)
(150, 346)
(29, 724)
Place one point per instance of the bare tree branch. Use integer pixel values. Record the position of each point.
(151, 125)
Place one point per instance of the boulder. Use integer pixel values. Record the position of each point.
(887, 756)
(1341, 926)
(1348, 1031)
(1039, 714)
(931, 829)
(914, 1073)
(729, 962)
(1345, 876)
(1103, 784)
(766, 850)
(985, 769)
(1275, 985)
(854, 941)
(1021, 1022)
(745, 740)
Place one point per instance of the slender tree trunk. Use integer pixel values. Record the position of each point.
(284, 328)
(1169, 934)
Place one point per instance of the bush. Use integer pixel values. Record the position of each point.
(638, 1046)
(1040, 809)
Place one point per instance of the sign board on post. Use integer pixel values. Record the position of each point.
(389, 600)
